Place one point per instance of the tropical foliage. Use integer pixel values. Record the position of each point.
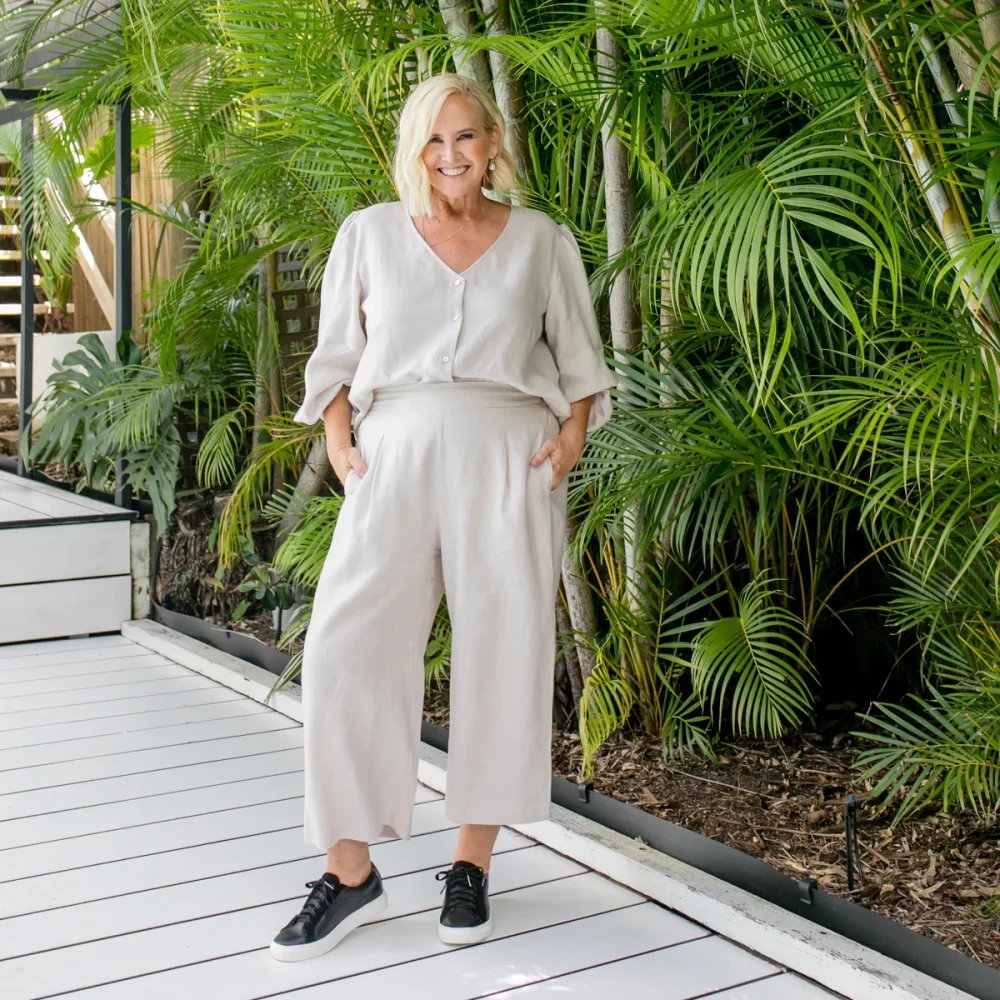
(797, 501)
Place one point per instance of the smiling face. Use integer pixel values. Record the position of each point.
(459, 149)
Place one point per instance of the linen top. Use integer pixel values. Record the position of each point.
(393, 313)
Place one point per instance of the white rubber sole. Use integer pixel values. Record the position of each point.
(302, 952)
(465, 935)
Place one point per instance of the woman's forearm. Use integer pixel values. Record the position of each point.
(337, 421)
(576, 423)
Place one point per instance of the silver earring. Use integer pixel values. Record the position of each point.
(492, 166)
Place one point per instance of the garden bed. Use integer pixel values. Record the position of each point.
(782, 802)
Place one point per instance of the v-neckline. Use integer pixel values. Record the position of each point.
(444, 264)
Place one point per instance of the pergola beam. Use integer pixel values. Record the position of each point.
(58, 51)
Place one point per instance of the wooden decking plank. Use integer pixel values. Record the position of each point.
(46, 892)
(118, 744)
(244, 973)
(205, 897)
(10, 511)
(75, 698)
(42, 801)
(74, 772)
(201, 703)
(49, 500)
(552, 955)
(82, 644)
(149, 952)
(692, 969)
(73, 853)
(787, 986)
(103, 680)
(59, 665)
(283, 812)
(49, 506)
(53, 827)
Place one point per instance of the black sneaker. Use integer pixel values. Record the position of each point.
(465, 912)
(328, 915)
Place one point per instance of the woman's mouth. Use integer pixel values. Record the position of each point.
(453, 171)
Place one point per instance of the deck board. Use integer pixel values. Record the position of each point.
(151, 845)
(50, 501)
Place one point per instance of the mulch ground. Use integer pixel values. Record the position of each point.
(782, 802)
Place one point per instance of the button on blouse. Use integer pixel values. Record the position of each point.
(393, 313)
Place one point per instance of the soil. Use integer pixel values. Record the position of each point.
(187, 581)
(782, 802)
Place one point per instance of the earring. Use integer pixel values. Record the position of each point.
(492, 166)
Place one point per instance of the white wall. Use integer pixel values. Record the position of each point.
(49, 347)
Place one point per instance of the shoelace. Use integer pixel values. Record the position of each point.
(461, 891)
(319, 899)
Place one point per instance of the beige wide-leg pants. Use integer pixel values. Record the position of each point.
(449, 501)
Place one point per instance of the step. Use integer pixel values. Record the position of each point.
(16, 254)
(8, 406)
(41, 308)
(9, 339)
(6, 229)
(14, 280)
(8, 200)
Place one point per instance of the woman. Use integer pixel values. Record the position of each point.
(465, 331)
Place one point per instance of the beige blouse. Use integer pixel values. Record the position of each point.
(393, 313)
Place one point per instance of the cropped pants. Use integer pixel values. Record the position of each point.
(449, 503)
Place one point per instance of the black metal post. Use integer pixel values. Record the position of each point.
(26, 352)
(123, 252)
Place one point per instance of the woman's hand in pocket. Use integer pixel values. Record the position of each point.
(345, 458)
(564, 451)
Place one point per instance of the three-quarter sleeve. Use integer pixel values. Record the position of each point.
(572, 332)
(341, 336)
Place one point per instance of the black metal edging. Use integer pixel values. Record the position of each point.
(805, 898)
(245, 647)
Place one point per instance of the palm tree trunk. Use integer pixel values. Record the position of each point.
(619, 219)
(905, 126)
(460, 20)
(580, 606)
(571, 660)
(619, 193)
(989, 25)
(948, 92)
(507, 89)
(964, 63)
(267, 395)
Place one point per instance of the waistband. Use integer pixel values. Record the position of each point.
(464, 394)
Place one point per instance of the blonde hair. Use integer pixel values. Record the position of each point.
(416, 126)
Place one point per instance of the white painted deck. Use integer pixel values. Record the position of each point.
(151, 845)
(65, 562)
